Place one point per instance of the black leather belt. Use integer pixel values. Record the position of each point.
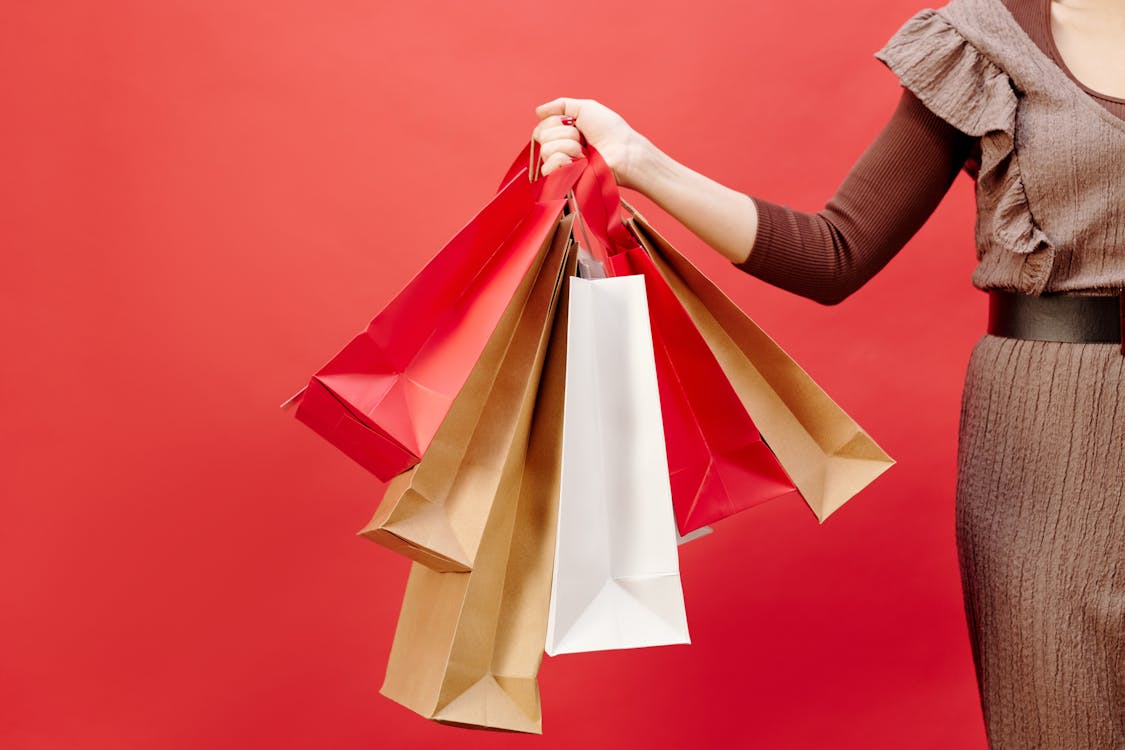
(1078, 319)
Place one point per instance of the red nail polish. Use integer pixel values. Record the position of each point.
(568, 120)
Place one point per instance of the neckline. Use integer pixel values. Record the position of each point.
(1045, 15)
(1040, 59)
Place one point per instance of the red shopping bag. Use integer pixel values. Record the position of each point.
(382, 397)
(717, 460)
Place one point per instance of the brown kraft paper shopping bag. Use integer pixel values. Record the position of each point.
(826, 453)
(435, 512)
(468, 646)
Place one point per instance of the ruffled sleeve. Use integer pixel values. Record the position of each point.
(949, 75)
(960, 84)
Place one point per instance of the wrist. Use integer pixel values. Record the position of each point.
(637, 164)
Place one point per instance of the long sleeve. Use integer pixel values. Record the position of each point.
(886, 197)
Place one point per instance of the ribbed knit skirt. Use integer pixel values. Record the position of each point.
(1041, 540)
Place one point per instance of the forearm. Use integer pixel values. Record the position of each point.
(725, 219)
(825, 256)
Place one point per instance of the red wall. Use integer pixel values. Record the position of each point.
(203, 200)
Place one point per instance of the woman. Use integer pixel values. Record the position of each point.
(1028, 96)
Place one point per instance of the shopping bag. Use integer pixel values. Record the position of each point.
(718, 462)
(616, 581)
(827, 454)
(382, 398)
(468, 646)
(435, 513)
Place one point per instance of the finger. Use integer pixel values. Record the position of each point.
(547, 123)
(554, 162)
(573, 149)
(562, 107)
(559, 133)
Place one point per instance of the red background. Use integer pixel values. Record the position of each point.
(203, 200)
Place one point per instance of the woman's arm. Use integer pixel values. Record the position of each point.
(825, 256)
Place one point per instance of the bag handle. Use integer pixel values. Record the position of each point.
(527, 160)
(598, 199)
(553, 187)
(593, 194)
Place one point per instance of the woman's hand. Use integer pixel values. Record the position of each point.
(723, 218)
(563, 122)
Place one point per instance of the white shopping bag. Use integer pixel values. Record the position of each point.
(616, 577)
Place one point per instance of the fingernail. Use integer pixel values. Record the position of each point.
(568, 121)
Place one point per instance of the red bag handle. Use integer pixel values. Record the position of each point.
(594, 197)
(598, 199)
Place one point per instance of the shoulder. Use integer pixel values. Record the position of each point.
(996, 29)
(951, 60)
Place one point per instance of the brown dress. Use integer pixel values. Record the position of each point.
(1041, 454)
(1040, 506)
